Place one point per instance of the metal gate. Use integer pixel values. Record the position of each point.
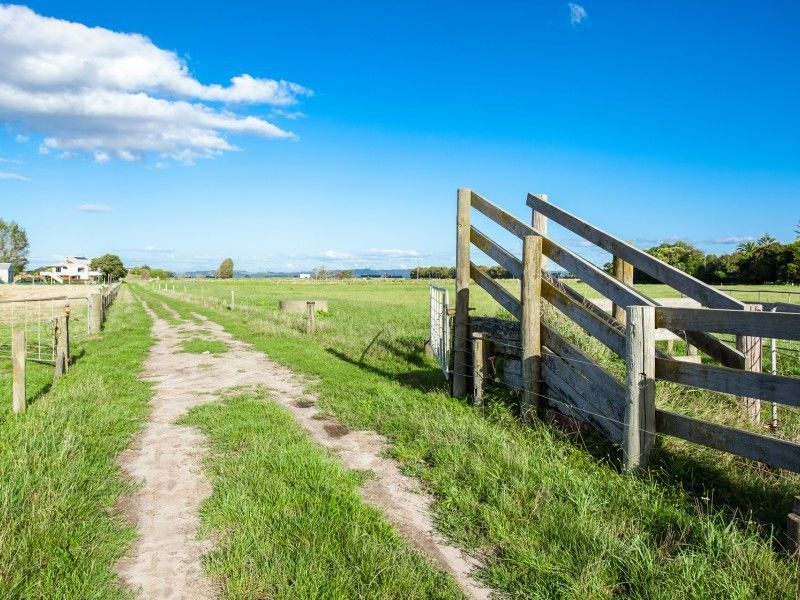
(440, 328)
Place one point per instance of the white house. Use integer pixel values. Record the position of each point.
(75, 268)
(6, 273)
(305, 275)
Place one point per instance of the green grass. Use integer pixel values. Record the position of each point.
(201, 346)
(551, 514)
(289, 520)
(59, 534)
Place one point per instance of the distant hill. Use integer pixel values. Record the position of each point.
(256, 274)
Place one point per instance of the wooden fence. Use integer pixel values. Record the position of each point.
(536, 359)
(98, 304)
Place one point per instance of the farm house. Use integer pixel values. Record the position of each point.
(6, 273)
(74, 268)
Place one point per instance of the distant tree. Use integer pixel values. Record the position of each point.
(345, 274)
(13, 245)
(321, 273)
(797, 230)
(161, 274)
(766, 240)
(746, 248)
(225, 270)
(791, 268)
(110, 265)
(681, 255)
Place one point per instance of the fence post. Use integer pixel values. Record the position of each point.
(461, 348)
(95, 313)
(640, 387)
(233, 299)
(793, 528)
(18, 344)
(531, 326)
(539, 222)
(60, 333)
(623, 271)
(66, 337)
(311, 313)
(750, 346)
(480, 355)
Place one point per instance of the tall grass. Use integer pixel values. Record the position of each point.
(59, 534)
(551, 514)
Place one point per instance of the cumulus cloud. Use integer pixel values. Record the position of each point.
(577, 14)
(14, 176)
(118, 96)
(95, 208)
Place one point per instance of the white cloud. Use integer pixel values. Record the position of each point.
(117, 95)
(392, 253)
(577, 14)
(286, 114)
(96, 208)
(333, 254)
(14, 176)
(21, 139)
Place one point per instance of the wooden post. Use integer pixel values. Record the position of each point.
(60, 344)
(691, 350)
(531, 326)
(95, 313)
(67, 357)
(480, 358)
(18, 342)
(623, 271)
(640, 387)
(750, 346)
(539, 222)
(311, 313)
(793, 528)
(461, 349)
(233, 299)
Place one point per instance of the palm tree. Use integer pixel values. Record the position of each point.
(766, 240)
(746, 248)
(797, 231)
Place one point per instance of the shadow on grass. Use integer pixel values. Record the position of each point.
(428, 379)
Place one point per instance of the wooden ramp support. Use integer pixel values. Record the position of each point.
(531, 326)
(18, 342)
(640, 387)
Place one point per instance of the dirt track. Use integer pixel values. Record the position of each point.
(164, 563)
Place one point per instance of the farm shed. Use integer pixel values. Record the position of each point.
(6, 273)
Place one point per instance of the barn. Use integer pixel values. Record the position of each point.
(6, 273)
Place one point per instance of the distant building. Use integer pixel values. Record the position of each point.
(6, 273)
(74, 268)
(305, 275)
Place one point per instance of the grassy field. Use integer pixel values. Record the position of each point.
(59, 535)
(550, 513)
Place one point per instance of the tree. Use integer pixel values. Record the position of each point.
(747, 248)
(681, 255)
(345, 274)
(110, 265)
(321, 273)
(13, 245)
(225, 270)
(766, 240)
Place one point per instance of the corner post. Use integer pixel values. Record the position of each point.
(461, 349)
(622, 271)
(640, 387)
(531, 326)
(18, 343)
(750, 346)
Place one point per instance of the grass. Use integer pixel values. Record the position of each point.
(289, 520)
(200, 346)
(59, 535)
(551, 514)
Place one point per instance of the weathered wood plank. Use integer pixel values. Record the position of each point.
(592, 406)
(496, 252)
(608, 385)
(480, 355)
(640, 395)
(605, 330)
(500, 294)
(784, 326)
(539, 222)
(694, 288)
(623, 271)
(775, 388)
(762, 448)
(461, 349)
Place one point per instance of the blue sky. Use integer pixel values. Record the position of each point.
(654, 121)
